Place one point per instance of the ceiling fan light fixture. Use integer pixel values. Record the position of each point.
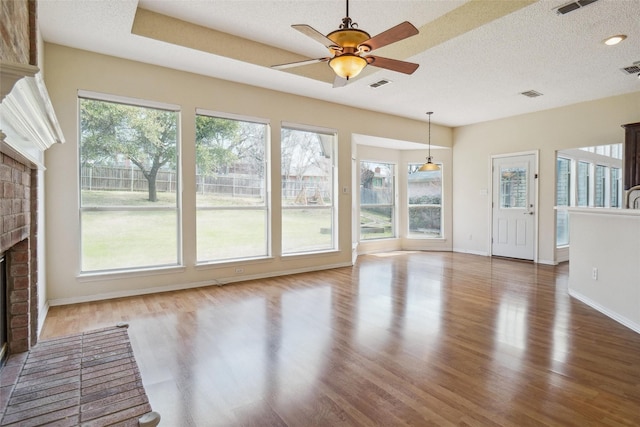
(347, 65)
(349, 37)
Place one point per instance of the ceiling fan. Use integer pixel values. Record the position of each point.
(348, 44)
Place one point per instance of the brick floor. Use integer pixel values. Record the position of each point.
(90, 379)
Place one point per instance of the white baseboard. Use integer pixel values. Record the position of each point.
(181, 286)
(547, 262)
(467, 251)
(613, 315)
(42, 315)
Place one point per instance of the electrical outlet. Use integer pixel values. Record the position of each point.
(594, 273)
(239, 270)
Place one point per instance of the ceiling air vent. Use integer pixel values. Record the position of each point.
(531, 93)
(632, 69)
(379, 83)
(570, 7)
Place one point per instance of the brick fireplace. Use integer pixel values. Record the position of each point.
(28, 127)
(18, 207)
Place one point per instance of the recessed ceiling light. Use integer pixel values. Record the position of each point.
(614, 40)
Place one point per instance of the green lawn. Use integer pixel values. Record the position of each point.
(131, 239)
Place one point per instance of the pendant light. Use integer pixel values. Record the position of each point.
(429, 165)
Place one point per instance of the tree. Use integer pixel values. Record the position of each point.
(223, 143)
(112, 132)
(215, 139)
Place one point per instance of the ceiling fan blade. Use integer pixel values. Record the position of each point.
(339, 82)
(392, 64)
(314, 34)
(299, 63)
(392, 35)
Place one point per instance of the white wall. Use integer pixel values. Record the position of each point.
(70, 70)
(579, 125)
(607, 240)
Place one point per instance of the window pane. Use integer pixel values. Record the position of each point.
(308, 211)
(376, 222)
(563, 183)
(128, 180)
(562, 227)
(513, 187)
(229, 234)
(231, 204)
(583, 184)
(128, 239)
(616, 188)
(424, 192)
(600, 186)
(306, 230)
(377, 200)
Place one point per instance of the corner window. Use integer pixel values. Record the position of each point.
(129, 204)
(424, 193)
(231, 188)
(308, 164)
(377, 200)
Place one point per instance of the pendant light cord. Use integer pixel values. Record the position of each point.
(429, 114)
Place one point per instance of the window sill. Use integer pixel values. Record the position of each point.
(207, 265)
(120, 274)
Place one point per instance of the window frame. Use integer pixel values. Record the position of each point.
(411, 168)
(393, 206)
(334, 207)
(266, 207)
(178, 209)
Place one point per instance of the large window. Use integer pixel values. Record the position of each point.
(563, 199)
(129, 204)
(308, 165)
(424, 194)
(231, 183)
(586, 177)
(377, 200)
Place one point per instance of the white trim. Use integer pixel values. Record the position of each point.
(470, 251)
(29, 122)
(137, 102)
(603, 211)
(98, 276)
(562, 253)
(232, 116)
(210, 282)
(615, 316)
(309, 128)
(42, 316)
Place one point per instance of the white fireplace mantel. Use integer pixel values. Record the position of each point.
(28, 124)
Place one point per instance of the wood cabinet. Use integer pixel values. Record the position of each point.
(631, 175)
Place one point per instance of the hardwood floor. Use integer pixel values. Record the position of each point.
(403, 338)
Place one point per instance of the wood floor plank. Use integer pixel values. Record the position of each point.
(403, 338)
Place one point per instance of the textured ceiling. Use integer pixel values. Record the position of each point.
(475, 56)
